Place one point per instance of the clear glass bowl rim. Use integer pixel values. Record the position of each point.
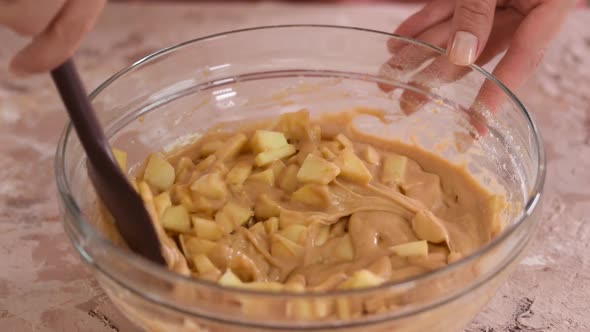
(89, 232)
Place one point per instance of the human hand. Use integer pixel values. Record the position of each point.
(475, 31)
(55, 26)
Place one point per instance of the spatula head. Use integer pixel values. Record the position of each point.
(132, 219)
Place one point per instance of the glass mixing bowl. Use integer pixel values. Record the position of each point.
(255, 73)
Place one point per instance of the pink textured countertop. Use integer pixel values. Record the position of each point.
(44, 286)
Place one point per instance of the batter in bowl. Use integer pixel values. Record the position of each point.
(311, 205)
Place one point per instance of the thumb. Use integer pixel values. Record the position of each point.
(472, 23)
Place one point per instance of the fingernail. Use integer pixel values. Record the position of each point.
(463, 48)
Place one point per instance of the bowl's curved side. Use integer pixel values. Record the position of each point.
(161, 82)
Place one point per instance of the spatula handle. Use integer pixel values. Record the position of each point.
(132, 219)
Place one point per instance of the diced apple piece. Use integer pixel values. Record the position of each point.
(381, 267)
(283, 248)
(271, 225)
(229, 279)
(231, 147)
(332, 146)
(322, 235)
(277, 167)
(121, 158)
(352, 168)
(162, 202)
(454, 256)
(258, 229)
(428, 228)
(206, 163)
(313, 194)
(239, 173)
(211, 186)
(185, 176)
(267, 157)
(210, 147)
(394, 169)
(294, 288)
(231, 216)
(295, 233)
(225, 223)
(327, 153)
(288, 179)
(344, 141)
(192, 245)
(176, 219)
(317, 170)
(184, 170)
(372, 156)
(294, 125)
(266, 176)
(204, 264)
(184, 163)
(207, 229)
(159, 173)
(181, 194)
(292, 217)
(148, 199)
(204, 205)
(362, 279)
(415, 248)
(295, 283)
(265, 140)
(343, 249)
(266, 208)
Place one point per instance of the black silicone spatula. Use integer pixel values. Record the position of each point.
(132, 219)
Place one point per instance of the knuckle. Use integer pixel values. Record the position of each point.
(476, 10)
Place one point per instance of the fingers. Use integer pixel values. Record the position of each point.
(433, 13)
(441, 71)
(29, 17)
(411, 56)
(524, 53)
(472, 23)
(53, 46)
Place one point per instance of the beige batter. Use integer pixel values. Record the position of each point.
(252, 225)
